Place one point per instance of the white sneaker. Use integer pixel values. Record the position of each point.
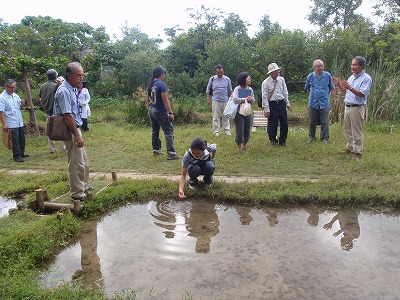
(192, 187)
(227, 133)
(216, 133)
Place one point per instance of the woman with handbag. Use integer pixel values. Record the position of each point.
(243, 95)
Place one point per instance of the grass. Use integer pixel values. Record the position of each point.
(304, 174)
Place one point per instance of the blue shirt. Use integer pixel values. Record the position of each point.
(10, 105)
(221, 88)
(319, 89)
(160, 87)
(66, 102)
(188, 158)
(361, 82)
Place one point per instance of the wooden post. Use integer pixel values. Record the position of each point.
(39, 200)
(114, 176)
(45, 196)
(77, 207)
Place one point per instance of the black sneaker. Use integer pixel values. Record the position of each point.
(19, 159)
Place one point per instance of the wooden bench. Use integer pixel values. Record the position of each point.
(259, 120)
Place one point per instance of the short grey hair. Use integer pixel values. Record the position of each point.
(361, 60)
(317, 61)
(51, 74)
(9, 82)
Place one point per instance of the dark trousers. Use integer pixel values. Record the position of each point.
(321, 115)
(161, 121)
(277, 114)
(242, 127)
(205, 167)
(18, 138)
(84, 126)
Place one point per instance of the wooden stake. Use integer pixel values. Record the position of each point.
(114, 176)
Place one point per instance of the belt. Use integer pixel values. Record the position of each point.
(277, 101)
(354, 105)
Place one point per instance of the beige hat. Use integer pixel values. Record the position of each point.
(272, 67)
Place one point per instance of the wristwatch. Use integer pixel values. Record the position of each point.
(171, 113)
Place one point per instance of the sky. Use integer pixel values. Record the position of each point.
(155, 15)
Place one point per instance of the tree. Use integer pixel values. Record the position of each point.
(388, 9)
(334, 13)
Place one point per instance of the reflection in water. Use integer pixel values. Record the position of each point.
(244, 214)
(256, 261)
(349, 226)
(90, 272)
(202, 223)
(272, 216)
(313, 218)
(199, 218)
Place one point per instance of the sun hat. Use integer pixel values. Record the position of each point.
(272, 67)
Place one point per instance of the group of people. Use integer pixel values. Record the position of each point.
(70, 98)
(58, 96)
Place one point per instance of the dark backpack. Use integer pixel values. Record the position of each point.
(259, 100)
(211, 86)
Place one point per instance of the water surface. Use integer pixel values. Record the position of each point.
(171, 249)
(5, 205)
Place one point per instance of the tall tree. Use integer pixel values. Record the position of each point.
(334, 13)
(388, 9)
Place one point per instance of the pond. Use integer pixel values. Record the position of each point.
(5, 205)
(198, 249)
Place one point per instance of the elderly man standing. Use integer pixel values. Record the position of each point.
(357, 89)
(46, 99)
(66, 104)
(275, 101)
(319, 84)
(11, 118)
(219, 89)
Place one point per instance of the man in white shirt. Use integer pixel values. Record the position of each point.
(11, 118)
(275, 101)
(357, 89)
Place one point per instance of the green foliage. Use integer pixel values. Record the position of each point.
(289, 50)
(335, 13)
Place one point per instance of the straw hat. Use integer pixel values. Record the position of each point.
(272, 67)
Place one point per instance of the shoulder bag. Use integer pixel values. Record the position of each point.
(7, 139)
(57, 129)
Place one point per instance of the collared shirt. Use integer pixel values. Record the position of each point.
(10, 105)
(188, 158)
(221, 88)
(47, 91)
(66, 102)
(361, 82)
(319, 90)
(280, 92)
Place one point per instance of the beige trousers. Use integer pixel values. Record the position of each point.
(219, 120)
(353, 128)
(78, 168)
